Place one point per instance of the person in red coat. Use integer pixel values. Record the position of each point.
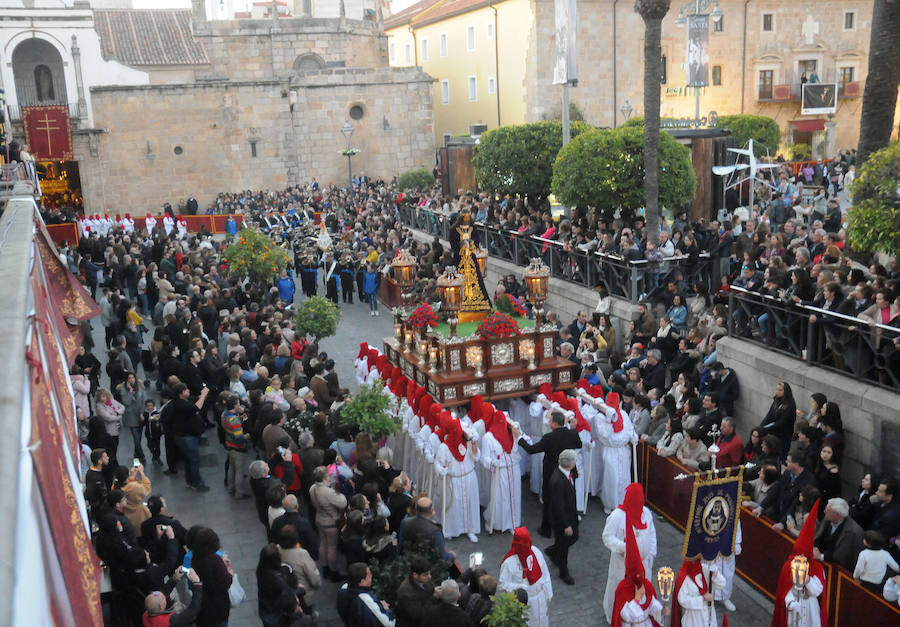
(731, 447)
(811, 608)
(635, 602)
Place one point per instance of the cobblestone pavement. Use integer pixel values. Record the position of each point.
(243, 536)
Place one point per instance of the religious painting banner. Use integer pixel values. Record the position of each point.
(697, 50)
(712, 522)
(48, 132)
(565, 69)
(818, 98)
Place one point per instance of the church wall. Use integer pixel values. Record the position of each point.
(264, 49)
(212, 124)
(394, 135)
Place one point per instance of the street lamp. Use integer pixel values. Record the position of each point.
(626, 110)
(347, 130)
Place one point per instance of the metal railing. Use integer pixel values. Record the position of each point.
(819, 337)
(15, 112)
(633, 280)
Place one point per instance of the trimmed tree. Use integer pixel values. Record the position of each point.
(875, 215)
(372, 411)
(605, 169)
(416, 179)
(761, 129)
(518, 159)
(317, 316)
(652, 12)
(253, 254)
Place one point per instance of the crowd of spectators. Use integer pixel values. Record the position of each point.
(189, 353)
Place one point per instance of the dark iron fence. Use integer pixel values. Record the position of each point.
(632, 280)
(819, 337)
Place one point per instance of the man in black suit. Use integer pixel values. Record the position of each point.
(422, 527)
(563, 513)
(309, 540)
(551, 445)
(886, 517)
(838, 537)
(159, 515)
(724, 382)
(783, 497)
(577, 326)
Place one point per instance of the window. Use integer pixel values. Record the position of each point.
(391, 52)
(443, 44)
(807, 67)
(473, 88)
(470, 38)
(663, 72)
(424, 49)
(766, 80)
(407, 53)
(717, 75)
(849, 20)
(356, 112)
(768, 22)
(490, 30)
(846, 75)
(492, 85)
(445, 91)
(719, 24)
(253, 150)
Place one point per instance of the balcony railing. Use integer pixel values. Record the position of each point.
(15, 112)
(632, 280)
(819, 337)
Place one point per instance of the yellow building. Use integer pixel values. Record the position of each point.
(758, 51)
(476, 50)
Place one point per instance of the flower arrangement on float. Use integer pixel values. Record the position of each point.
(498, 325)
(422, 317)
(509, 304)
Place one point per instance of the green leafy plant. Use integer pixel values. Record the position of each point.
(252, 254)
(318, 317)
(518, 159)
(508, 612)
(509, 304)
(416, 179)
(388, 575)
(762, 129)
(801, 152)
(605, 168)
(875, 215)
(371, 410)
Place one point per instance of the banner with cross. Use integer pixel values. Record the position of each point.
(48, 132)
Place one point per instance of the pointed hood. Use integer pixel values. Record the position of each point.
(634, 578)
(803, 545)
(500, 430)
(582, 384)
(454, 440)
(612, 400)
(523, 549)
(475, 407)
(545, 390)
(433, 419)
(363, 350)
(424, 407)
(597, 391)
(559, 398)
(633, 506)
(689, 569)
(572, 406)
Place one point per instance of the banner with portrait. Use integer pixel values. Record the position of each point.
(697, 65)
(565, 69)
(818, 98)
(713, 517)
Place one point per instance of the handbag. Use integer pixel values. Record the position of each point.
(236, 592)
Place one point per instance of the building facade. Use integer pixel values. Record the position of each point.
(166, 104)
(758, 52)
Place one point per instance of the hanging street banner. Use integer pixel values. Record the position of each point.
(712, 523)
(818, 98)
(565, 69)
(697, 65)
(48, 132)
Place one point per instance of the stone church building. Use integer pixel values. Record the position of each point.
(166, 104)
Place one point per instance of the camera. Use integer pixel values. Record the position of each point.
(136, 462)
(476, 560)
(185, 570)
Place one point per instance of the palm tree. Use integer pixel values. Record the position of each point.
(880, 96)
(652, 12)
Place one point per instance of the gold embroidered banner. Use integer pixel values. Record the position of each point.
(48, 132)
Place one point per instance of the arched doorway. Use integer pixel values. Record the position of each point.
(39, 74)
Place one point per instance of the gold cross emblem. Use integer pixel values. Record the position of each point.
(46, 122)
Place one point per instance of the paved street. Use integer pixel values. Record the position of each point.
(243, 536)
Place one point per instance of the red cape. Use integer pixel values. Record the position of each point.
(785, 583)
(687, 568)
